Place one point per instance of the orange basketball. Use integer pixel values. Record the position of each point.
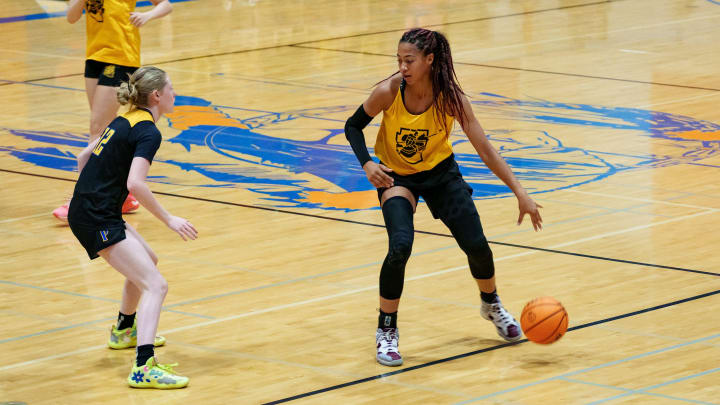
(544, 320)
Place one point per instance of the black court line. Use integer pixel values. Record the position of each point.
(350, 36)
(350, 221)
(548, 72)
(464, 21)
(487, 349)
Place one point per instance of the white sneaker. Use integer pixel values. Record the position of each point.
(507, 327)
(387, 340)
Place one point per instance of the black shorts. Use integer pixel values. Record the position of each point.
(97, 238)
(107, 73)
(442, 187)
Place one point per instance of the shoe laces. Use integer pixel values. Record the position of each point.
(388, 337)
(168, 368)
(502, 314)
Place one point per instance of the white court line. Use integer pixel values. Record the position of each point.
(633, 51)
(334, 72)
(5, 221)
(54, 356)
(620, 197)
(48, 55)
(677, 100)
(342, 294)
(531, 44)
(322, 370)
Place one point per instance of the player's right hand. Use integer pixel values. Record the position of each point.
(376, 174)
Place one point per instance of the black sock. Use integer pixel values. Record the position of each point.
(144, 352)
(125, 321)
(386, 320)
(490, 298)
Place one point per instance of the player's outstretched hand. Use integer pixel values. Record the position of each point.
(139, 19)
(526, 205)
(183, 227)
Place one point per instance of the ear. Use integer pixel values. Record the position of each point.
(430, 58)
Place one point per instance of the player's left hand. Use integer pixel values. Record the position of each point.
(139, 19)
(526, 205)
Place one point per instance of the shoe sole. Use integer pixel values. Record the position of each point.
(119, 347)
(61, 219)
(158, 388)
(393, 363)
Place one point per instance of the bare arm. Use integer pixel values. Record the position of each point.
(498, 166)
(75, 10)
(137, 186)
(83, 157)
(161, 9)
(380, 100)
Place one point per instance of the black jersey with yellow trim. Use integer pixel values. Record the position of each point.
(102, 186)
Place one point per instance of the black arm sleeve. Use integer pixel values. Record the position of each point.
(354, 134)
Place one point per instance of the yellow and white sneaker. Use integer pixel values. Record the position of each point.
(153, 375)
(126, 338)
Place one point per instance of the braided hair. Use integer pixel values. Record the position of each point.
(447, 94)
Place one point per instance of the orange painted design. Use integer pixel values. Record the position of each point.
(186, 116)
(352, 200)
(697, 135)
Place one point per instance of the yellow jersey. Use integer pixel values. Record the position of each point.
(111, 37)
(409, 143)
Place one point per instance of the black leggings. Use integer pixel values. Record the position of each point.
(464, 224)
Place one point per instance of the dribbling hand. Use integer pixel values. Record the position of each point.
(376, 174)
(526, 205)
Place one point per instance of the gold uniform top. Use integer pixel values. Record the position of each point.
(111, 37)
(409, 143)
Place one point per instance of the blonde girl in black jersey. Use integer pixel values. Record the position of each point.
(420, 104)
(112, 165)
(112, 55)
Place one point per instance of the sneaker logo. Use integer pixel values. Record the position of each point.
(387, 320)
(104, 235)
(138, 376)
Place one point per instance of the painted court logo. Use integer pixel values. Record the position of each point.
(300, 158)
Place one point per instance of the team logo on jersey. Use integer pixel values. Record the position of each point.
(104, 235)
(109, 71)
(95, 9)
(410, 144)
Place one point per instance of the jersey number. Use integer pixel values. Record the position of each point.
(103, 140)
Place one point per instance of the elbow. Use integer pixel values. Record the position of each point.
(347, 129)
(134, 186)
(72, 18)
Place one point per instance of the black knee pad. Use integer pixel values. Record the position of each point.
(469, 235)
(398, 215)
(480, 259)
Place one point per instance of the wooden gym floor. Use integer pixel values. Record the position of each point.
(606, 110)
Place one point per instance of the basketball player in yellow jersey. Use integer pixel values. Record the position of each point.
(113, 54)
(420, 104)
